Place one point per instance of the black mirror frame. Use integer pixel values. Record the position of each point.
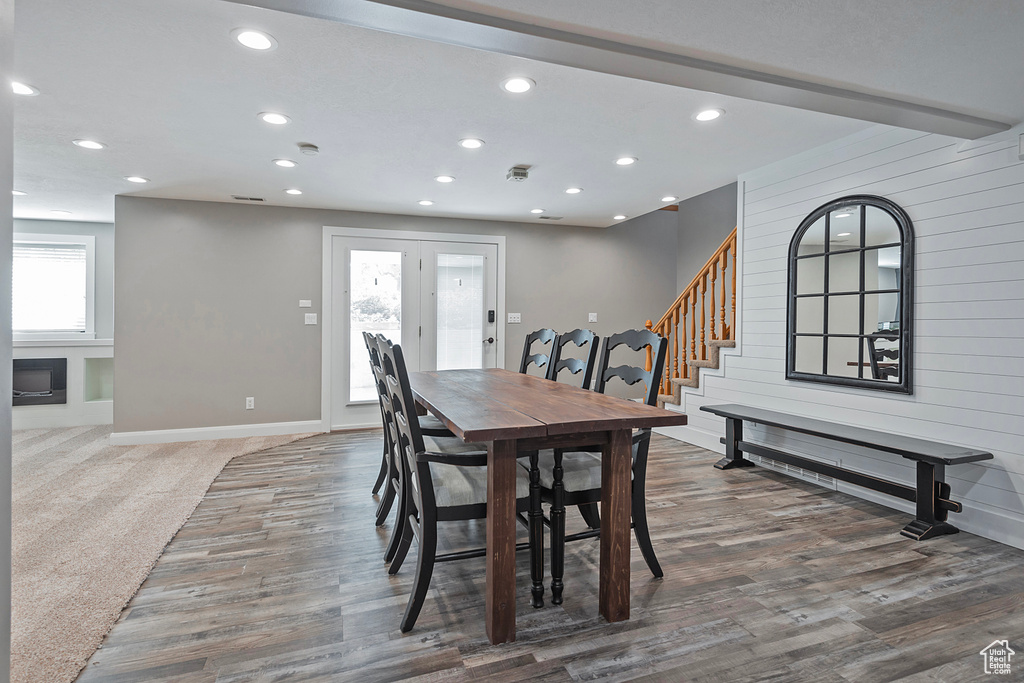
(906, 295)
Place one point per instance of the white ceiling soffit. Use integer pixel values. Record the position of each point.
(466, 28)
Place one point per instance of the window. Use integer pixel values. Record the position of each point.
(53, 286)
(851, 268)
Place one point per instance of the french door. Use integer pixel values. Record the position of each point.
(438, 299)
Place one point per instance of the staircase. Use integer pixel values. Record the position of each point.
(696, 326)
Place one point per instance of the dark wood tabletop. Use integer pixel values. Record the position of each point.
(515, 413)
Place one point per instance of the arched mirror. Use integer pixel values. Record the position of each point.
(851, 276)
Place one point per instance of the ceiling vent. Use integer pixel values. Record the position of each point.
(518, 174)
(550, 218)
(240, 198)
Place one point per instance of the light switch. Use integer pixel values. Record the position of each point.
(592, 318)
(515, 317)
(305, 303)
(311, 318)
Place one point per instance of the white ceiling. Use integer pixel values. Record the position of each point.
(175, 99)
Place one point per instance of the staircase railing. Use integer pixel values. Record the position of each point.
(682, 324)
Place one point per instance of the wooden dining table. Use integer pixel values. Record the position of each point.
(516, 413)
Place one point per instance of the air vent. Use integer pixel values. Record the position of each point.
(798, 472)
(550, 218)
(240, 198)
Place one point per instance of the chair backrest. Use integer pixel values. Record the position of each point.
(875, 355)
(544, 336)
(377, 369)
(400, 411)
(639, 341)
(583, 367)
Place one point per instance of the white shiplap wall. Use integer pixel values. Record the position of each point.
(966, 201)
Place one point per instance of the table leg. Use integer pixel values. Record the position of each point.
(616, 464)
(501, 542)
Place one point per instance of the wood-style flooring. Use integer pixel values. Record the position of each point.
(279, 576)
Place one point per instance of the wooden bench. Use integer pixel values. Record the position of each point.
(932, 494)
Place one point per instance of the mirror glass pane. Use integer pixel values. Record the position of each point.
(882, 356)
(844, 314)
(813, 241)
(810, 275)
(881, 313)
(810, 314)
(808, 354)
(842, 356)
(882, 268)
(880, 227)
(844, 272)
(844, 228)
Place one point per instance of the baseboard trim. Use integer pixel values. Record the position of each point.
(208, 433)
(694, 436)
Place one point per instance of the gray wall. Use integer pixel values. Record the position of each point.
(206, 298)
(6, 231)
(704, 223)
(104, 234)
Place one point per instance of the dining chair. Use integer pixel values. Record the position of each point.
(581, 368)
(544, 336)
(447, 481)
(573, 477)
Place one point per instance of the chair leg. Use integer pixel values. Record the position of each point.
(557, 531)
(386, 501)
(643, 534)
(536, 534)
(383, 470)
(424, 568)
(398, 531)
(590, 515)
(403, 545)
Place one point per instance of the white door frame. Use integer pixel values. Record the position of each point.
(327, 297)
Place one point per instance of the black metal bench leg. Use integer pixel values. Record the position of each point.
(733, 454)
(557, 530)
(931, 519)
(536, 534)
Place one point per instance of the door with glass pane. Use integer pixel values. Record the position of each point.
(458, 305)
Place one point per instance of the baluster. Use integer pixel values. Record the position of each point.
(703, 314)
(693, 323)
(714, 276)
(686, 368)
(675, 343)
(724, 260)
(735, 262)
(647, 366)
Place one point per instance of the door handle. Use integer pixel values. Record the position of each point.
(489, 340)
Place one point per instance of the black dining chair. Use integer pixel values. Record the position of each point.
(573, 477)
(582, 369)
(447, 480)
(544, 336)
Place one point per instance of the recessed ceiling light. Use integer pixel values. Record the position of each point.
(293, 191)
(254, 40)
(670, 198)
(536, 210)
(620, 217)
(842, 215)
(426, 202)
(61, 212)
(625, 161)
(136, 179)
(471, 143)
(285, 163)
(445, 179)
(574, 190)
(709, 114)
(517, 84)
(276, 119)
(843, 234)
(23, 89)
(18, 193)
(89, 144)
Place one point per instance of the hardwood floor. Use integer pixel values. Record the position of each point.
(278, 576)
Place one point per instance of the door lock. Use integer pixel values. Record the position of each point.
(489, 340)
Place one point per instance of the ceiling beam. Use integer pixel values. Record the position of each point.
(438, 23)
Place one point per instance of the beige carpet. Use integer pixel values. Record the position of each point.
(89, 522)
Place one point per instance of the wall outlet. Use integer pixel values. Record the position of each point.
(250, 403)
(311, 318)
(592, 318)
(305, 303)
(515, 317)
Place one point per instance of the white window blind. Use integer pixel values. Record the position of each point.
(50, 287)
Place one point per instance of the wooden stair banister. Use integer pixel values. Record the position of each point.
(707, 325)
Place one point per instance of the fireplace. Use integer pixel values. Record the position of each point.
(40, 381)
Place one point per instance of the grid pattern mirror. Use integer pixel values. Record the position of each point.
(851, 270)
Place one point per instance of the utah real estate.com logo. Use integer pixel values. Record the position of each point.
(997, 657)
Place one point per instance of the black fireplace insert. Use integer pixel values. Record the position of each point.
(40, 381)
